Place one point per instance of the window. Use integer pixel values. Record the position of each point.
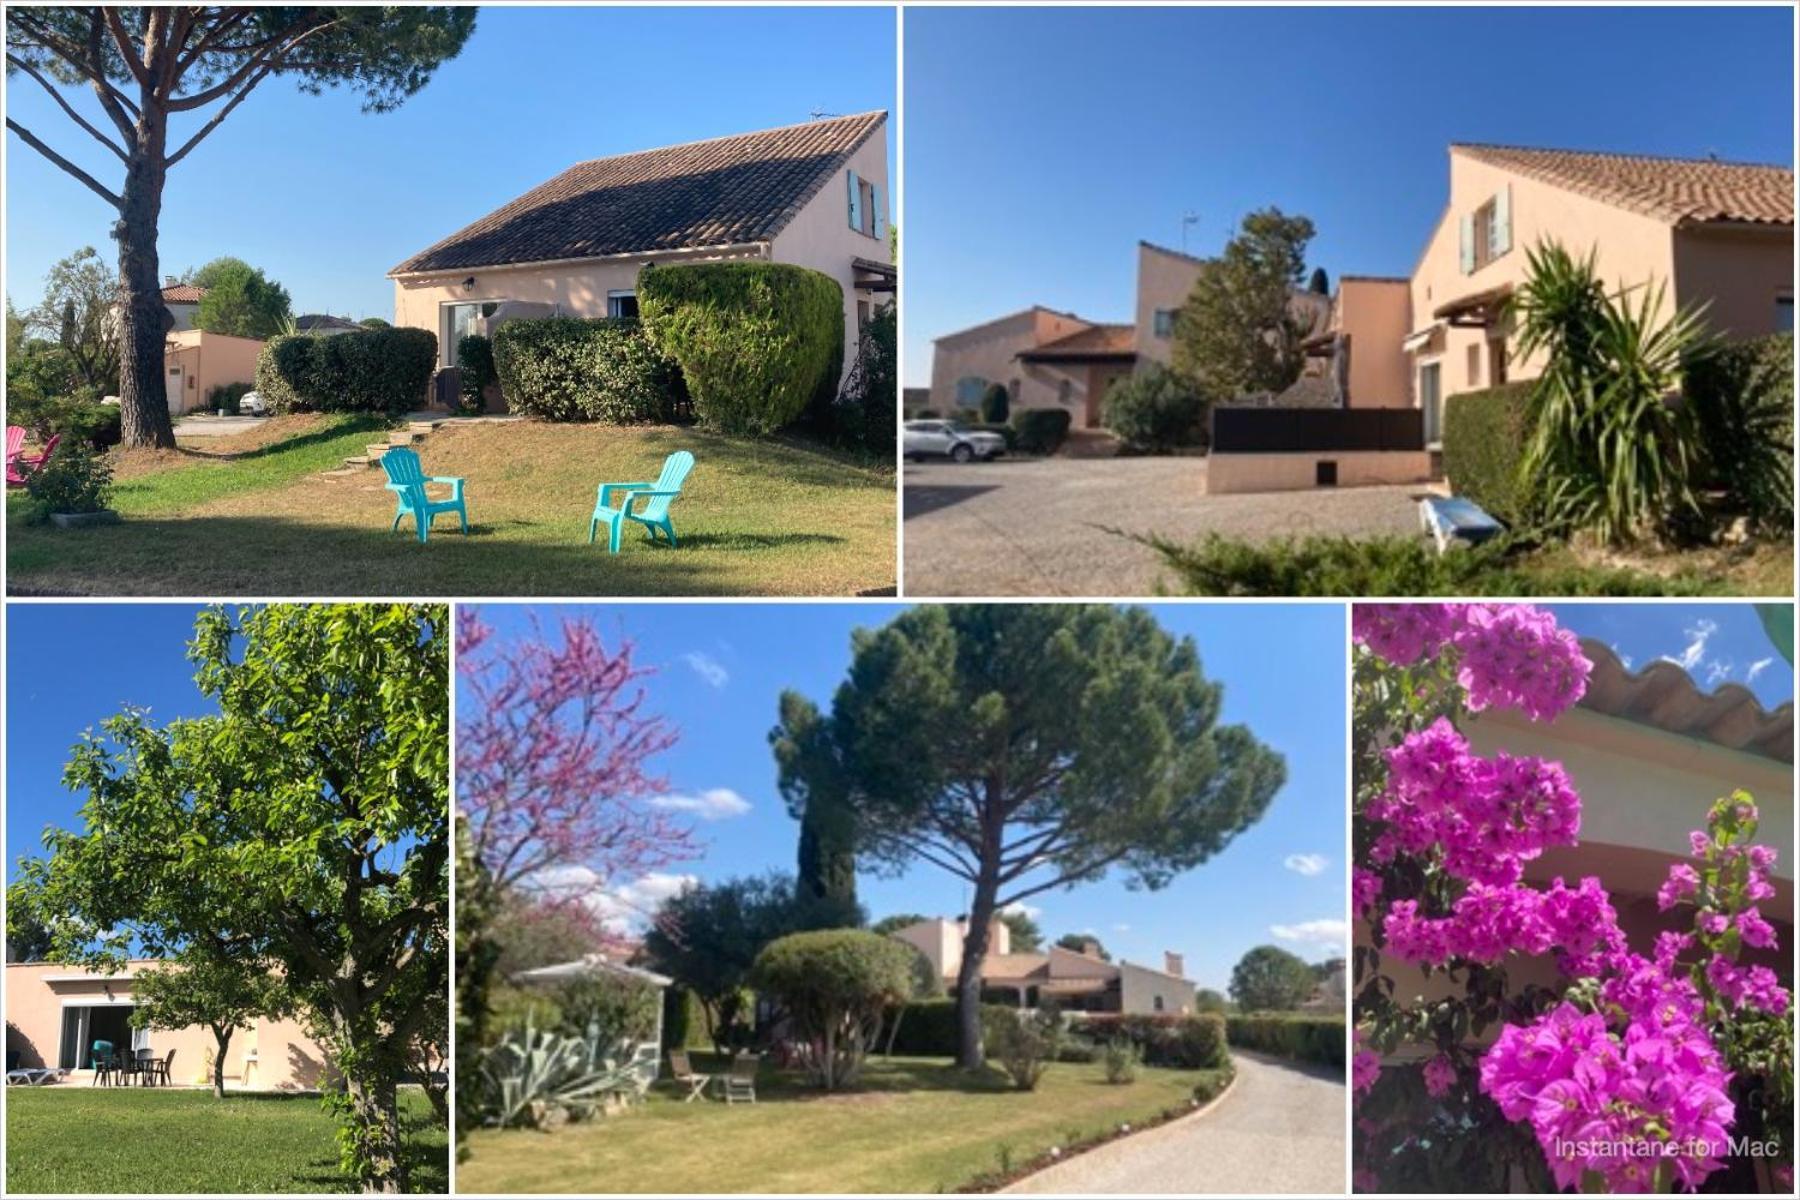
(1156, 1003)
(1486, 233)
(1784, 314)
(865, 205)
(1065, 391)
(1496, 362)
(1474, 364)
(458, 322)
(622, 303)
(1162, 323)
(1431, 400)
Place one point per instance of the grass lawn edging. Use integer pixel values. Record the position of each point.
(1208, 1095)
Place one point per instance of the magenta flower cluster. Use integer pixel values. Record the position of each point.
(1726, 914)
(1508, 655)
(1488, 922)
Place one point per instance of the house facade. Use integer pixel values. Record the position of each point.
(55, 1014)
(1714, 233)
(196, 362)
(1072, 980)
(1648, 752)
(182, 300)
(813, 195)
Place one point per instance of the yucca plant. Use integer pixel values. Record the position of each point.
(536, 1076)
(1612, 448)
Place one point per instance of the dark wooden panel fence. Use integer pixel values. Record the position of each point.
(1310, 430)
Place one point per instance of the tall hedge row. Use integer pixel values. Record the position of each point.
(756, 341)
(585, 369)
(373, 370)
(1743, 400)
(1313, 1039)
(1484, 440)
(1191, 1042)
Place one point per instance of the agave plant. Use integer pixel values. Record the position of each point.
(1612, 449)
(536, 1076)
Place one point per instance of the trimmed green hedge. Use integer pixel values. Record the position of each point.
(756, 341)
(1743, 399)
(1304, 1038)
(1484, 440)
(585, 369)
(475, 355)
(928, 1027)
(1041, 430)
(1194, 1042)
(374, 370)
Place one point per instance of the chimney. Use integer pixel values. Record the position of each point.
(999, 937)
(1172, 964)
(170, 280)
(1090, 947)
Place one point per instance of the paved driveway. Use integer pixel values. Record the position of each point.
(1038, 527)
(1280, 1129)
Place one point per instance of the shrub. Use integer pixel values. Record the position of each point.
(594, 369)
(757, 342)
(1743, 401)
(76, 479)
(1122, 1058)
(864, 413)
(475, 355)
(1484, 444)
(540, 1079)
(1207, 1000)
(1304, 1038)
(227, 395)
(1269, 978)
(1025, 1043)
(513, 1008)
(1155, 411)
(609, 1009)
(996, 404)
(1322, 565)
(373, 370)
(1041, 430)
(834, 986)
(928, 1027)
(1184, 1042)
(75, 419)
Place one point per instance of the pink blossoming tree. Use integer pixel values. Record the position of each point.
(1672, 1053)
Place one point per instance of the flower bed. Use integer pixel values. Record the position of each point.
(1633, 1073)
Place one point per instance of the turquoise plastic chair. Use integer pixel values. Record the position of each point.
(101, 1060)
(407, 480)
(654, 515)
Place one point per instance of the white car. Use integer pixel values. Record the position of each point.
(251, 404)
(950, 439)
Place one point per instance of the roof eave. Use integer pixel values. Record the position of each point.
(761, 246)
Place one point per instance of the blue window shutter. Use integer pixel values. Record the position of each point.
(1468, 243)
(855, 200)
(1502, 220)
(879, 224)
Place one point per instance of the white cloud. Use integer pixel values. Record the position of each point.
(1030, 910)
(624, 910)
(1718, 671)
(1757, 668)
(1698, 634)
(708, 668)
(1332, 932)
(1305, 864)
(1121, 927)
(714, 804)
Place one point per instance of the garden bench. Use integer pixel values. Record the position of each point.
(1456, 519)
(657, 497)
(407, 480)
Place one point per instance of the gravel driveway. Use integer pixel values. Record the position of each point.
(1280, 1129)
(1034, 527)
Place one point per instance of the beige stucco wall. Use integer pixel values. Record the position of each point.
(268, 1055)
(1165, 279)
(1293, 472)
(990, 352)
(1374, 316)
(1139, 988)
(196, 362)
(1738, 274)
(942, 942)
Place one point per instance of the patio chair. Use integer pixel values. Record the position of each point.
(740, 1084)
(682, 1071)
(407, 480)
(106, 1065)
(654, 515)
(645, 1066)
(162, 1068)
(19, 465)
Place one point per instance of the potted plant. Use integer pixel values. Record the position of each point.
(72, 489)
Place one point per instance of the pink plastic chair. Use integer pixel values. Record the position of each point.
(19, 464)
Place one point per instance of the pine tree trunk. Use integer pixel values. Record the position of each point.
(970, 1053)
(144, 319)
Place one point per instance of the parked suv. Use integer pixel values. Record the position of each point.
(952, 439)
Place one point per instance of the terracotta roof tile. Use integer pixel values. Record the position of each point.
(725, 191)
(1676, 190)
(182, 293)
(1083, 343)
(1664, 696)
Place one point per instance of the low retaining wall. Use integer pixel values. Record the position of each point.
(1295, 471)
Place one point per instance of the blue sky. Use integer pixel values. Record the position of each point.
(1715, 643)
(1042, 145)
(326, 199)
(721, 668)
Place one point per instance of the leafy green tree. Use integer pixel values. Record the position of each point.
(814, 784)
(835, 987)
(528, 932)
(203, 986)
(1023, 748)
(1208, 1000)
(707, 936)
(1237, 332)
(374, 323)
(79, 315)
(1320, 283)
(1024, 934)
(1269, 979)
(1155, 411)
(28, 936)
(1079, 943)
(303, 827)
(145, 66)
(897, 922)
(241, 301)
(475, 956)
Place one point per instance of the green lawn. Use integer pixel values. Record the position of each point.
(917, 1125)
(777, 516)
(71, 1138)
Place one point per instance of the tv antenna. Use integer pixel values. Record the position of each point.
(1188, 221)
(819, 114)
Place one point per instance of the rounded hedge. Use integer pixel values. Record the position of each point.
(757, 342)
(1041, 430)
(585, 369)
(475, 355)
(1155, 411)
(834, 969)
(371, 370)
(996, 404)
